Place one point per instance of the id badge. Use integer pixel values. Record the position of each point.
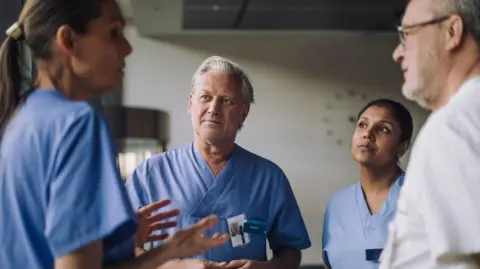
(236, 228)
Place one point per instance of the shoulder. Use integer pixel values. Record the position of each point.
(461, 115)
(259, 162)
(69, 115)
(455, 124)
(49, 117)
(168, 158)
(53, 106)
(343, 197)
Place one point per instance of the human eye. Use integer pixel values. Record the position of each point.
(227, 101)
(205, 98)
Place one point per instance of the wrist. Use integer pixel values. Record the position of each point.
(272, 264)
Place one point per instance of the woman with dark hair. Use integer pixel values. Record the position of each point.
(62, 201)
(356, 219)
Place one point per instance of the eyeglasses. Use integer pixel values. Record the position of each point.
(403, 34)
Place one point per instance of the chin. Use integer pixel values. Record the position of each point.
(211, 135)
(362, 159)
(410, 92)
(416, 95)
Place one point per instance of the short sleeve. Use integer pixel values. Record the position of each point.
(449, 173)
(136, 186)
(85, 198)
(288, 229)
(326, 230)
(326, 236)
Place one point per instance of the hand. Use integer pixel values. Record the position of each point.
(191, 242)
(199, 264)
(149, 223)
(246, 264)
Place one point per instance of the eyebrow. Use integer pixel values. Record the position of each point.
(204, 91)
(382, 121)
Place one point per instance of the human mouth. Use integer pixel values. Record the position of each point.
(212, 121)
(366, 147)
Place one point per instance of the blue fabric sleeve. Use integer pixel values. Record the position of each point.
(85, 198)
(326, 233)
(326, 236)
(136, 186)
(289, 229)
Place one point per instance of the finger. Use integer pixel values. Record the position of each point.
(163, 225)
(213, 265)
(236, 264)
(157, 237)
(216, 235)
(164, 215)
(207, 243)
(148, 209)
(205, 224)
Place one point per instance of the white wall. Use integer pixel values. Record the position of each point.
(305, 88)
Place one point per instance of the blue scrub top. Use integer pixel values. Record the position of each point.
(352, 236)
(60, 188)
(248, 184)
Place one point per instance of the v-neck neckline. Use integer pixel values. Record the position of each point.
(366, 216)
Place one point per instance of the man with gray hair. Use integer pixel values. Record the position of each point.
(437, 223)
(250, 195)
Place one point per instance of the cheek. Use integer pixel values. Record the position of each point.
(387, 148)
(355, 138)
(198, 111)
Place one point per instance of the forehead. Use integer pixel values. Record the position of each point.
(378, 113)
(418, 11)
(215, 81)
(110, 12)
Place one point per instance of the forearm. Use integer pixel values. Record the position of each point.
(285, 258)
(150, 259)
(170, 264)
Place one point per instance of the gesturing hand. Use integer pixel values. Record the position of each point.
(246, 264)
(199, 264)
(149, 223)
(192, 241)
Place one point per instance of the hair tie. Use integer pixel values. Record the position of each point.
(15, 31)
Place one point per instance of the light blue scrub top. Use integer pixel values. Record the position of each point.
(60, 188)
(351, 232)
(248, 184)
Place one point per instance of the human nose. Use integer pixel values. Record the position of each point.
(368, 134)
(398, 53)
(214, 106)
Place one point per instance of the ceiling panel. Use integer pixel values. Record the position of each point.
(210, 19)
(212, 2)
(371, 15)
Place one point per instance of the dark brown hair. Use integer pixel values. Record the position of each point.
(401, 114)
(39, 22)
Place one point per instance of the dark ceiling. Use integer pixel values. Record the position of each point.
(367, 15)
(9, 12)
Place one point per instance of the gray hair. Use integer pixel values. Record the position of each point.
(224, 65)
(469, 10)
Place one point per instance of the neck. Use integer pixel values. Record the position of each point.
(378, 179)
(465, 67)
(52, 77)
(214, 153)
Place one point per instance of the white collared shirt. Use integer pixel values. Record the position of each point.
(437, 224)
